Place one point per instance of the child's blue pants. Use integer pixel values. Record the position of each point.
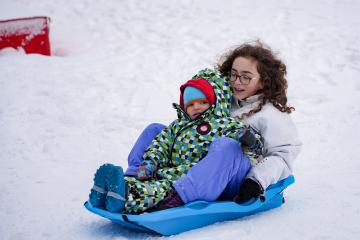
(217, 176)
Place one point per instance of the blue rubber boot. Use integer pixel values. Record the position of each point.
(99, 191)
(115, 199)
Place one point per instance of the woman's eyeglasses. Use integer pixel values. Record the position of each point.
(244, 79)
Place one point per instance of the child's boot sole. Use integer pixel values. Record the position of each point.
(98, 192)
(115, 199)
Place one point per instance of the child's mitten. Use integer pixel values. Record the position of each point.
(146, 170)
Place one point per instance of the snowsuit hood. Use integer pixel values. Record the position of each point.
(200, 83)
(222, 94)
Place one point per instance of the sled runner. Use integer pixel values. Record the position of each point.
(196, 214)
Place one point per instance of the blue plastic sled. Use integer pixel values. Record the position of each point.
(196, 214)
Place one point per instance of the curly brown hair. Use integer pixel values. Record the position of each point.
(272, 74)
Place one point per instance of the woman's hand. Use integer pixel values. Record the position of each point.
(248, 139)
(249, 189)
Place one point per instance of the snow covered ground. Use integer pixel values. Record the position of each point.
(117, 66)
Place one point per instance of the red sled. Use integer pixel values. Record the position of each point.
(31, 34)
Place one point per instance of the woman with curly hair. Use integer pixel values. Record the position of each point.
(259, 87)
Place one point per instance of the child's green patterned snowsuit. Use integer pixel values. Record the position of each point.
(182, 144)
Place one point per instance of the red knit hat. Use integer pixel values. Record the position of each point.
(201, 84)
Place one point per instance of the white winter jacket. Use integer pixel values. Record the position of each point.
(281, 142)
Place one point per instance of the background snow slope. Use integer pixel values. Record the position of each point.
(117, 67)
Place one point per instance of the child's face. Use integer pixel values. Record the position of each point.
(195, 109)
(246, 68)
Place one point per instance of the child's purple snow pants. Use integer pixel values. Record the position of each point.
(217, 176)
(140, 146)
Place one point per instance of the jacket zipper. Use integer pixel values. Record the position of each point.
(179, 132)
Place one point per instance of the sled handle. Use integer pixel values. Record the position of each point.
(197, 204)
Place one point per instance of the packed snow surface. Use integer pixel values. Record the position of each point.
(117, 66)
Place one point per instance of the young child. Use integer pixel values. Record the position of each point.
(203, 116)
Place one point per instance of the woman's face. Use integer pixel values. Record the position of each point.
(245, 79)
